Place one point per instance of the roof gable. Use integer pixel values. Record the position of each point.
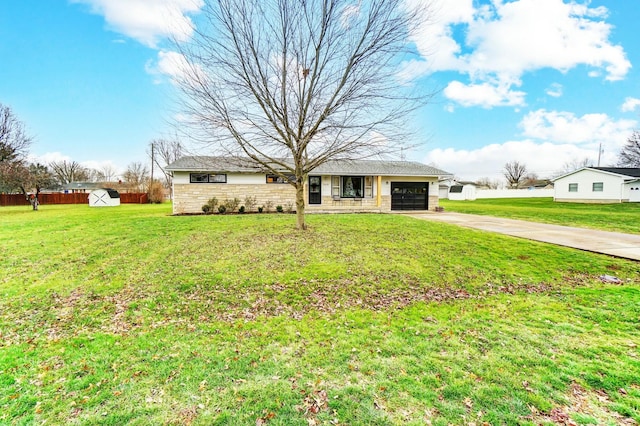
(623, 171)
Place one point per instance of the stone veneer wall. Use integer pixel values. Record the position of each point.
(189, 198)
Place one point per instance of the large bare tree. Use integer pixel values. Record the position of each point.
(292, 84)
(630, 153)
(515, 173)
(69, 171)
(14, 141)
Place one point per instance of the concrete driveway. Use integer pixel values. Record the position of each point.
(612, 243)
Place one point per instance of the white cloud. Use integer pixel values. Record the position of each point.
(630, 104)
(173, 65)
(555, 90)
(543, 158)
(504, 40)
(49, 157)
(147, 20)
(566, 127)
(486, 95)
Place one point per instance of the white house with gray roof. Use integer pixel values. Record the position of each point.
(337, 185)
(599, 185)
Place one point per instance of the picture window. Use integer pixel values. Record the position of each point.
(207, 178)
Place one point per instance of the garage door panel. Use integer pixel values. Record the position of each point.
(409, 195)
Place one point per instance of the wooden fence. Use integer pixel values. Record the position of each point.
(77, 198)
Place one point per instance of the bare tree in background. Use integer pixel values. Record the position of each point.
(571, 166)
(292, 84)
(630, 153)
(107, 173)
(69, 171)
(136, 176)
(488, 183)
(165, 152)
(14, 141)
(515, 173)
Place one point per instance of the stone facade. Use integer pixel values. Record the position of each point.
(189, 198)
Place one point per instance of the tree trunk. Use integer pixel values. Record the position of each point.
(300, 223)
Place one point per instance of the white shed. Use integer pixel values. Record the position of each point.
(104, 197)
(463, 191)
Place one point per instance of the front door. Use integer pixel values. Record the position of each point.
(409, 195)
(315, 189)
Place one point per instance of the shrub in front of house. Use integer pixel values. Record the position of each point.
(222, 209)
(241, 210)
(279, 208)
(250, 203)
(231, 205)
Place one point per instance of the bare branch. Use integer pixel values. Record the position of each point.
(630, 153)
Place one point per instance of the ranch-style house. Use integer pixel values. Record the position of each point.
(338, 185)
(599, 185)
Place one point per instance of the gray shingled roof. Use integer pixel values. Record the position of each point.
(625, 171)
(334, 167)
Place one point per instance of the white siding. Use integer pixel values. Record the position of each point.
(613, 187)
(232, 178)
(386, 183)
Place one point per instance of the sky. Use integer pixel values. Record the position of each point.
(543, 82)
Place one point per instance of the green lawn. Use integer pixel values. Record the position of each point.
(130, 315)
(608, 217)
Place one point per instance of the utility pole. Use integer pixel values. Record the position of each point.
(599, 153)
(153, 160)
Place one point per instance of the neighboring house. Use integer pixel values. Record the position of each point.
(538, 184)
(599, 185)
(338, 185)
(80, 187)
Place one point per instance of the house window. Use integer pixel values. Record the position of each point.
(207, 178)
(368, 186)
(598, 186)
(352, 187)
(335, 186)
(573, 187)
(280, 179)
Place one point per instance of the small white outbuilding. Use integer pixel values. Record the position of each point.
(104, 197)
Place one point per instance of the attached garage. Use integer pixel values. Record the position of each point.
(409, 196)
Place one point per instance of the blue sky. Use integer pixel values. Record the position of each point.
(544, 82)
